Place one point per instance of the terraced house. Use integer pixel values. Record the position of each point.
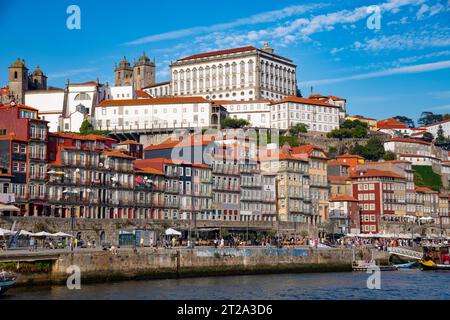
(292, 184)
(24, 124)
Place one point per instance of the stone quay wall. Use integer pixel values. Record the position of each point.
(171, 263)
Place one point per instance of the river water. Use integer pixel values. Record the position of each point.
(398, 285)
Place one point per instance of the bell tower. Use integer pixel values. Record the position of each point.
(144, 73)
(123, 74)
(18, 81)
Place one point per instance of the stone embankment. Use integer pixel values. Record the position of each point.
(129, 264)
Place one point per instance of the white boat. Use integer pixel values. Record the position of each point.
(6, 282)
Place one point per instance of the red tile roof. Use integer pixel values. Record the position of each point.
(191, 141)
(126, 142)
(347, 155)
(343, 198)
(153, 101)
(219, 52)
(375, 173)
(391, 124)
(305, 101)
(425, 190)
(437, 123)
(142, 94)
(338, 179)
(319, 96)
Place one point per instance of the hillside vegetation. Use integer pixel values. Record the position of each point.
(425, 177)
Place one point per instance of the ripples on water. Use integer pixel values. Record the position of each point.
(396, 285)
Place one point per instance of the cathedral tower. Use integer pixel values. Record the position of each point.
(143, 73)
(18, 81)
(38, 80)
(123, 74)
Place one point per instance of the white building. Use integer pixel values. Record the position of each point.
(420, 160)
(66, 109)
(434, 128)
(257, 112)
(144, 114)
(318, 115)
(245, 73)
(122, 93)
(340, 102)
(161, 89)
(50, 104)
(80, 103)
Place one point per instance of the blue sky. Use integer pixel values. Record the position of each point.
(402, 68)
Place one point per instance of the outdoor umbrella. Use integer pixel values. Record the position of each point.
(4, 232)
(62, 235)
(172, 232)
(42, 234)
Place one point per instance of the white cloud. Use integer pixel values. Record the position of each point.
(427, 11)
(264, 17)
(302, 28)
(377, 74)
(411, 40)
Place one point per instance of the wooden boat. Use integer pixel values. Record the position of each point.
(6, 282)
(435, 258)
(367, 265)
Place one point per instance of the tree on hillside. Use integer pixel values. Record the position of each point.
(440, 137)
(235, 123)
(428, 117)
(428, 136)
(86, 127)
(298, 128)
(350, 129)
(408, 121)
(389, 156)
(373, 150)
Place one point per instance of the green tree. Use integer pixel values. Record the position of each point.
(235, 123)
(389, 156)
(373, 150)
(440, 138)
(86, 127)
(428, 117)
(408, 121)
(298, 128)
(428, 136)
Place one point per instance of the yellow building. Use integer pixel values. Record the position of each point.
(372, 123)
(292, 185)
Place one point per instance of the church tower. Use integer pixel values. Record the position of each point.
(38, 80)
(18, 81)
(144, 73)
(123, 74)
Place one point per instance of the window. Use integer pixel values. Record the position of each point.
(16, 148)
(82, 97)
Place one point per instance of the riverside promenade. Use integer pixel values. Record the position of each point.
(96, 266)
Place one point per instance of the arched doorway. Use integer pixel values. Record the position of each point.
(102, 238)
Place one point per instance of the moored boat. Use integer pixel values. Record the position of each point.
(7, 280)
(370, 265)
(408, 265)
(435, 258)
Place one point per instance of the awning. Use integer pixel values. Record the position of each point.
(8, 207)
(172, 232)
